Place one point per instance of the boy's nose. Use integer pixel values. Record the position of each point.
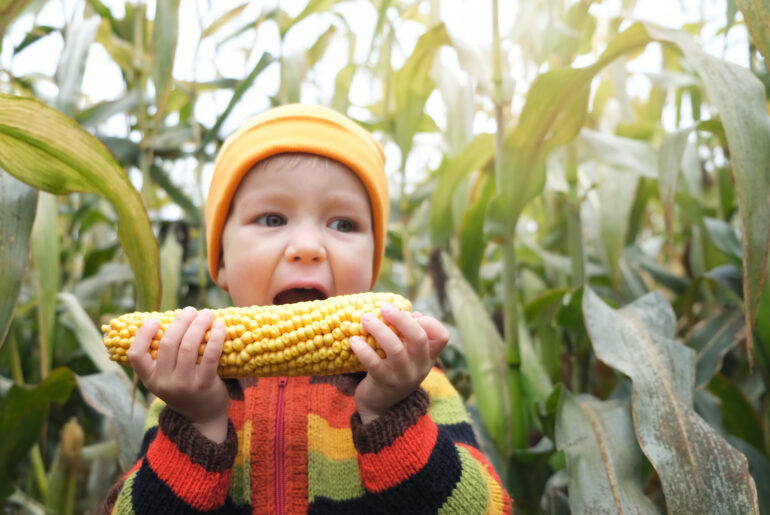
(305, 249)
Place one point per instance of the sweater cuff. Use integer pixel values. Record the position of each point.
(213, 457)
(397, 445)
(385, 429)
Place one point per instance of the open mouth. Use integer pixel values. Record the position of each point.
(298, 295)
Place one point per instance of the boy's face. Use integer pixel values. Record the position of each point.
(296, 234)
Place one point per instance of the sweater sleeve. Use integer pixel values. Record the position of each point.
(179, 471)
(422, 456)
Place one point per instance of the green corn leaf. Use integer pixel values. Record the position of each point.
(616, 191)
(739, 416)
(484, 351)
(165, 29)
(49, 151)
(110, 395)
(638, 340)
(37, 33)
(760, 471)
(472, 244)
(625, 154)
(17, 205)
(160, 177)
(669, 162)
(72, 63)
(44, 250)
(723, 236)
(9, 10)
(312, 7)
(603, 456)
(453, 171)
(244, 85)
(712, 341)
(171, 254)
(412, 85)
(119, 49)
(341, 98)
(93, 116)
(756, 14)
(318, 49)
(88, 335)
(23, 413)
(740, 100)
(104, 11)
(554, 112)
(224, 19)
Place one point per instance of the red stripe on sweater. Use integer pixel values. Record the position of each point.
(190, 482)
(402, 459)
(133, 469)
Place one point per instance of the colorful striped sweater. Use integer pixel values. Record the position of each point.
(297, 445)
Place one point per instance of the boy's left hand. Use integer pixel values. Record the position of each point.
(406, 363)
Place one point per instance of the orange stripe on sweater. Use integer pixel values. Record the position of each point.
(132, 470)
(402, 459)
(191, 482)
(333, 406)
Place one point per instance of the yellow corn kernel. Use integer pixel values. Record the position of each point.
(294, 339)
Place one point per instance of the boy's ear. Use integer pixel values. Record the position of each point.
(222, 274)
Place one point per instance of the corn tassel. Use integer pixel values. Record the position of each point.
(304, 338)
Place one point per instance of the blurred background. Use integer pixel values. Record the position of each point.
(579, 190)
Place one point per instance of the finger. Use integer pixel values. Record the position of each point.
(438, 335)
(411, 331)
(416, 314)
(138, 354)
(207, 369)
(192, 339)
(386, 339)
(169, 342)
(365, 354)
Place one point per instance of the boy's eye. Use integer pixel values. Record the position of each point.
(343, 225)
(271, 220)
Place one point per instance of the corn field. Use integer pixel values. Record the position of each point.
(582, 198)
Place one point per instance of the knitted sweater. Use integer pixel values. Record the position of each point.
(297, 445)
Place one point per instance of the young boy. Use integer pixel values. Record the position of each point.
(297, 210)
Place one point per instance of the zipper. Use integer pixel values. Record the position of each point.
(280, 485)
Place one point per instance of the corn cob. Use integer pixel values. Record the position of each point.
(304, 338)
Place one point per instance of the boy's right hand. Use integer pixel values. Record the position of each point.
(193, 390)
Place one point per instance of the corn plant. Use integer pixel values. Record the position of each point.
(599, 253)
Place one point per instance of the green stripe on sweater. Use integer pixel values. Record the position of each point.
(470, 495)
(448, 410)
(123, 502)
(153, 414)
(240, 484)
(338, 480)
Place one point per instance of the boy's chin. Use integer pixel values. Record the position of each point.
(293, 295)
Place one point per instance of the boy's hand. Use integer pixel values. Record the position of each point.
(193, 390)
(406, 364)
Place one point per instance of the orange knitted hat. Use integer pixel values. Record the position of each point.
(297, 128)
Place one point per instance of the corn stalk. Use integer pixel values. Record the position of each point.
(510, 287)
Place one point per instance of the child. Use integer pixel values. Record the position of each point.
(297, 210)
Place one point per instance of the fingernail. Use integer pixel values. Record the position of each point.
(387, 308)
(368, 317)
